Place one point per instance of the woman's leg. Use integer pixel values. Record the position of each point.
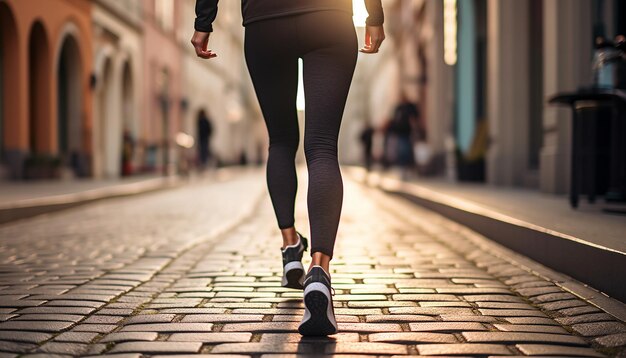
(329, 64)
(274, 72)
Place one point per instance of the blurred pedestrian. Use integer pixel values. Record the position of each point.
(128, 151)
(205, 130)
(367, 139)
(404, 126)
(278, 34)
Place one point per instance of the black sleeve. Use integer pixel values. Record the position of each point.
(206, 11)
(375, 10)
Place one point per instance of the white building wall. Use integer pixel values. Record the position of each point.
(117, 41)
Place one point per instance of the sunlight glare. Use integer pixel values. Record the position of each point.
(300, 97)
(360, 13)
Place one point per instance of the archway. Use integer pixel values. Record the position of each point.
(69, 107)
(129, 121)
(8, 74)
(39, 90)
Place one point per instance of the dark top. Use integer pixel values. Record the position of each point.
(255, 10)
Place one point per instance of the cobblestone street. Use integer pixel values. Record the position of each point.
(196, 270)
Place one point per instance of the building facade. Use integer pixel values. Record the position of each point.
(482, 72)
(117, 27)
(46, 101)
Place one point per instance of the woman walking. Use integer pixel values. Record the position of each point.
(322, 34)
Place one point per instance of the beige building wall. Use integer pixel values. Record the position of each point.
(117, 46)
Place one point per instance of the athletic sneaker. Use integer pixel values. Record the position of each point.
(319, 314)
(293, 271)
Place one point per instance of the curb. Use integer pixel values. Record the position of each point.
(26, 208)
(600, 267)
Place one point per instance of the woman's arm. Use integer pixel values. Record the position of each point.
(374, 32)
(206, 11)
(375, 10)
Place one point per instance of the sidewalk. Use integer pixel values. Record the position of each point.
(20, 200)
(541, 226)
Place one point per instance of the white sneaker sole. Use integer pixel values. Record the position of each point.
(293, 275)
(319, 317)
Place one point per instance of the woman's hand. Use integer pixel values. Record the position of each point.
(200, 41)
(374, 37)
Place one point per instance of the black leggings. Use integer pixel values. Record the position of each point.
(327, 43)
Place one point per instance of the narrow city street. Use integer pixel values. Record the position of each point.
(196, 270)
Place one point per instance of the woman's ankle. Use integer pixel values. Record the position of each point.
(322, 260)
(290, 236)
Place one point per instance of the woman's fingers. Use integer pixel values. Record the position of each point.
(374, 37)
(200, 42)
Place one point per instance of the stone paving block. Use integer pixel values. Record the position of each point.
(203, 310)
(311, 348)
(380, 304)
(536, 291)
(493, 298)
(599, 328)
(296, 338)
(369, 327)
(57, 310)
(22, 336)
(511, 313)
(552, 297)
(516, 337)
(530, 328)
(412, 337)
(73, 349)
(50, 317)
(211, 337)
(168, 327)
(558, 305)
(76, 337)
(100, 328)
(21, 303)
(38, 326)
(129, 337)
(397, 318)
(424, 297)
(157, 347)
(531, 320)
(261, 327)
(462, 348)
(150, 318)
(612, 340)
(447, 326)
(16, 347)
(431, 311)
(65, 303)
(476, 290)
(585, 318)
(222, 318)
(103, 319)
(575, 311)
(468, 318)
(505, 305)
(552, 350)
